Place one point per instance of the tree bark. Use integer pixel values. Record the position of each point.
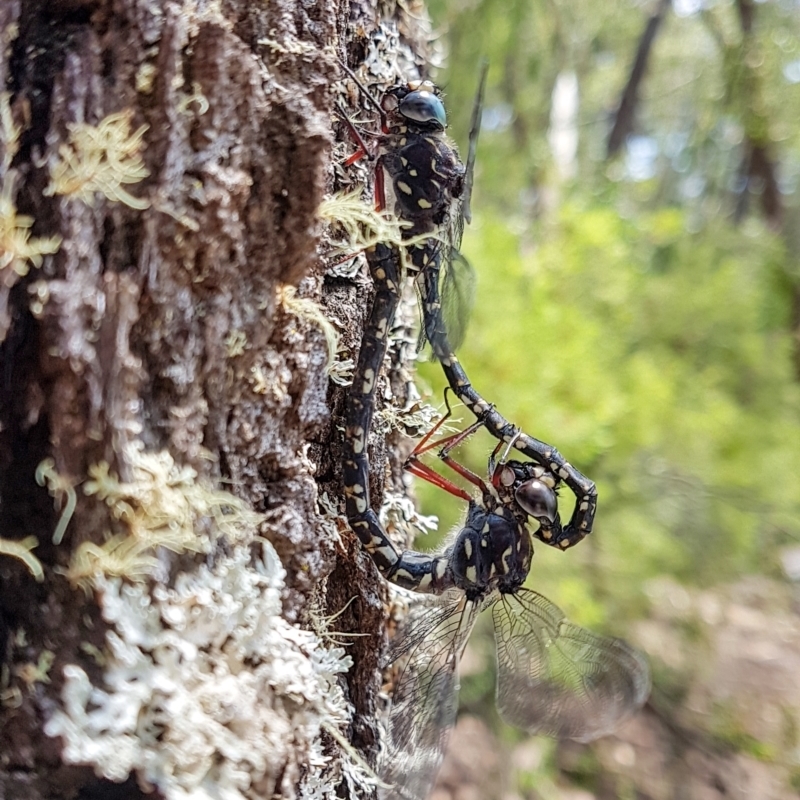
(165, 405)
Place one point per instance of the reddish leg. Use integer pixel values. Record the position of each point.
(363, 149)
(426, 473)
(380, 191)
(444, 445)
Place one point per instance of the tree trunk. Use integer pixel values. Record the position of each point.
(167, 424)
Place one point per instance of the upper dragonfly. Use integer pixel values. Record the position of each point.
(421, 178)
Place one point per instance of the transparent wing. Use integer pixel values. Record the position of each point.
(457, 290)
(559, 679)
(474, 130)
(425, 698)
(449, 285)
(456, 279)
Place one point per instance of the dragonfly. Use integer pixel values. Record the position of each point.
(431, 191)
(553, 677)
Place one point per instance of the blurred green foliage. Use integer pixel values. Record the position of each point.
(638, 313)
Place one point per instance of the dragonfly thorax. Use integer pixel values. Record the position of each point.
(492, 551)
(424, 171)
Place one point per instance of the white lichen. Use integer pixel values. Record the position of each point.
(400, 516)
(416, 419)
(206, 691)
(341, 372)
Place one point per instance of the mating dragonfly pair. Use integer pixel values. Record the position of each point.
(553, 677)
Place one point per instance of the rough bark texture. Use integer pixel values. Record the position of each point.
(163, 330)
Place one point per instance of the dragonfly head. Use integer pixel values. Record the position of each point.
(532, 487)
(419, 104)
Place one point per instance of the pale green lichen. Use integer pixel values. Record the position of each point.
(100, 160)
(306, 309)
(60, 489)
(195, 98)
(163, 505)
(18, 249)
(31, 674)
(361, 224)
(23, 550)
(235, 343)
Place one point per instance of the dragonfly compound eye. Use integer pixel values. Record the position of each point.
(537, 499)
(425, 107)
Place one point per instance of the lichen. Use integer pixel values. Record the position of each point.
(39, 672)
(399, 515)
(341, 371)
(360, 225)
(206, 691)
(235, 343)
(23, 550)
(100, 160)
(414, 420)
(61, 489)
(163, 505)
(18, 250)
(306, 309)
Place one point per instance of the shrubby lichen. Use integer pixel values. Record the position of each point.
(100, 160)
(206, 691)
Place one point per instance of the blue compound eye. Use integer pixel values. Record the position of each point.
(423, 106)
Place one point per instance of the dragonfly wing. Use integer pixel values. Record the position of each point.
(457, 290)
(425, 698)
(449, 285)
(559, 679)
(474, 130)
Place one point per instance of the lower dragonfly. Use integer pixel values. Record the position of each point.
(553, 677)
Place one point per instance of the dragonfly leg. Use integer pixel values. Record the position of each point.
(444, 445)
